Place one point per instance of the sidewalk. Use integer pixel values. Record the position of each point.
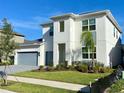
(5, 91)
(56, 84)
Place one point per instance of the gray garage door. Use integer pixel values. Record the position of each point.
(28, 58)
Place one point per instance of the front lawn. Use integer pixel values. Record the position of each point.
(64, 76)
(30, 88)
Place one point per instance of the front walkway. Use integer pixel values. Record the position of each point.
(5, 91)
(56, 84)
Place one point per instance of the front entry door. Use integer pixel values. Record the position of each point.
(61, 53)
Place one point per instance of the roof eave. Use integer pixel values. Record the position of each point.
(63, 16)
(46, 24)
(112, 19)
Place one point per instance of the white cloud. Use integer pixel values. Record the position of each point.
(24, 24)
(40, 19)
(34, 22)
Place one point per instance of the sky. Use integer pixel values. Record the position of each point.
(27, 15)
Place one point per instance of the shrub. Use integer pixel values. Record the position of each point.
(71, 67)
(101, 70)
(96, 68)
(108, 70)
(41, 67)
(61, 67)
(49, 68)
(82, 68)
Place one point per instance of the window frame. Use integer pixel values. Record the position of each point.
(88, 53)
(114, 32)
(51, 31)
(89, 25)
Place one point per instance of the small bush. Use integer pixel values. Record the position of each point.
(108, 70)
(96, 68)
(49, 68)
(61, 67)
(82, 68)
(71, 67)
(41, 67)
(101, 70)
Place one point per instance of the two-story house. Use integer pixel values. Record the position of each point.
(61, 41)
(61, 38)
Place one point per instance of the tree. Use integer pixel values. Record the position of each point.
(7, 43)
(87, 38)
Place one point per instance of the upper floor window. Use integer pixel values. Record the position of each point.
(61, 26)
(114, 31)
(89, 25)
(51, 31)
(116, 34)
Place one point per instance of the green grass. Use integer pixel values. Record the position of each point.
(64, 76)
(117, 87)
(30, 88)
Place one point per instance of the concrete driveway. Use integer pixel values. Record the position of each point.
(18, 68)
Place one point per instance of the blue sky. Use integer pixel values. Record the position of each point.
(27, 15)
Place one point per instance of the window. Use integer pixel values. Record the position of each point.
(62, 26)
(116, 34)
(85, 22)
(85, 25)
(89, 25)
(114, 31)
(85, 52)
(51, 31)
(85, 28)
(88, 54)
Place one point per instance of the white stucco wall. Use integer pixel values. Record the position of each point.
(101, 40)
(66, 37)
(48, 40)
(113, 44)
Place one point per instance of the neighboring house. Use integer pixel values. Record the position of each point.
(18, 38)
(61, 38)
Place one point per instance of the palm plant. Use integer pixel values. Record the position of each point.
(87, 38)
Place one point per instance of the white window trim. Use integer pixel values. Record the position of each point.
(88, 54)
(89, 25)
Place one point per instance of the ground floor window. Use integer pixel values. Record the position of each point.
(88, 54)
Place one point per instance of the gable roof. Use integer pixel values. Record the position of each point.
(30, 43)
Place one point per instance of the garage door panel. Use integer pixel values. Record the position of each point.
(28, 59)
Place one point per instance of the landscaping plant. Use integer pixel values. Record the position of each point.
(7, 44)
(87, 38)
